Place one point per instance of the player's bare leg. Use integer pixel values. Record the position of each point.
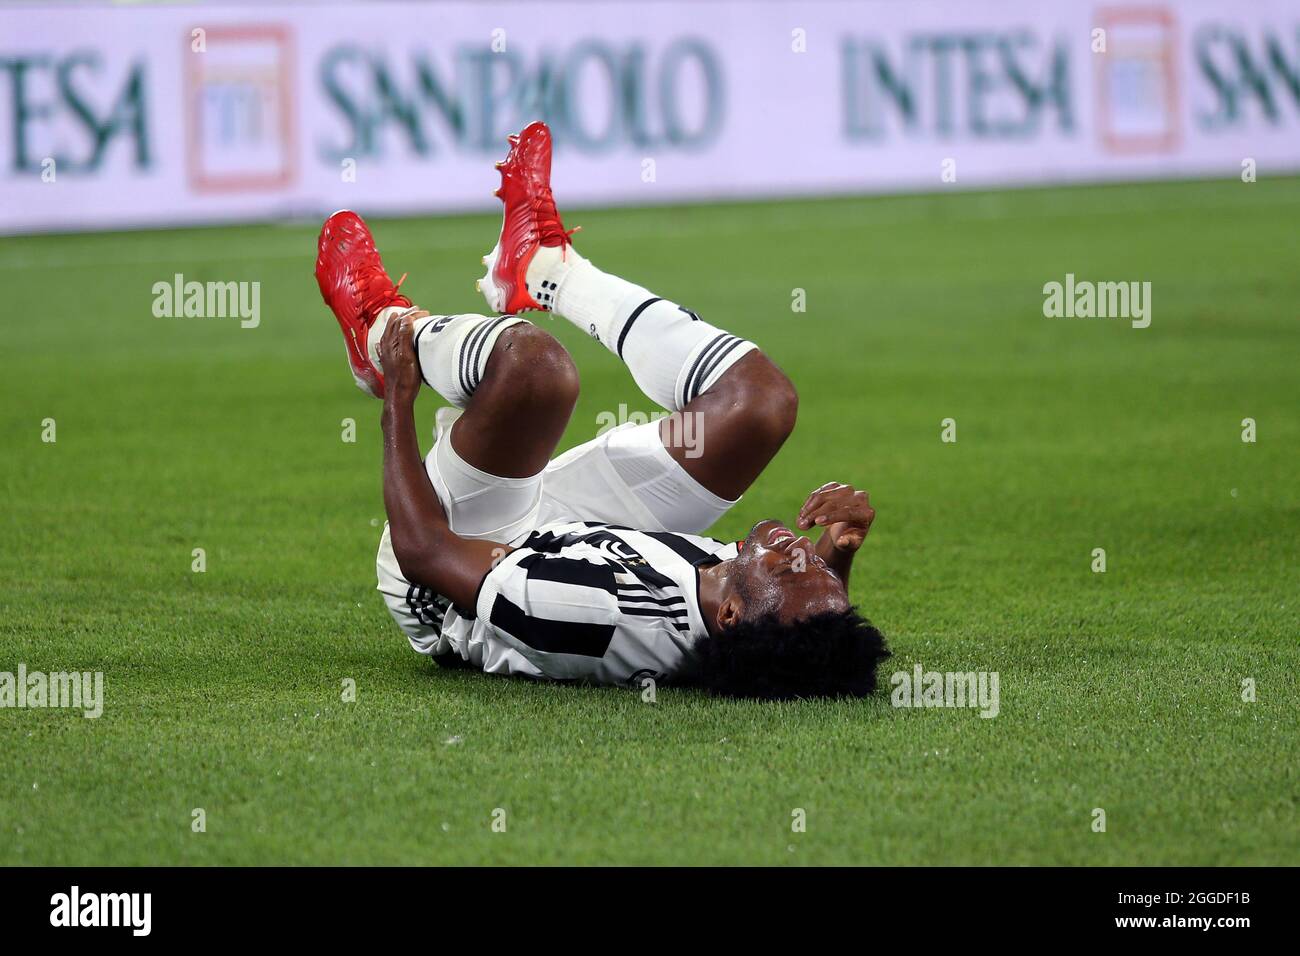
(726, 436)
(515, 382)
(732, 408)
(521, 407)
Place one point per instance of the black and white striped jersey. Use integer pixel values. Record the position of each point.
(586, 601)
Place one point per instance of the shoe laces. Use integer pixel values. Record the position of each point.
(378, 291)
(550, 230)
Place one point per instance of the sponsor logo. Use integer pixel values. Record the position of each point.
(239, 109)
(1252, 79)
(73, 109)
(596, 96)
(983, 85)
(1137, 81)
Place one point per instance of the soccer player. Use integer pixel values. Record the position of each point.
(590, 566)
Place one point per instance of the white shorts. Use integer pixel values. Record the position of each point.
(624, 476)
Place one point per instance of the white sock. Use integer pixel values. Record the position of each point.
(452, 350)
(672, 354)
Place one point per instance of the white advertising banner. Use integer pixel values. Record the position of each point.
(119, 117)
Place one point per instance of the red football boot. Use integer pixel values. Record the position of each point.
(529, 223)
(355, 286)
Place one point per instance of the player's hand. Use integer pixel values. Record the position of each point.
(397, 356)
(843, 511)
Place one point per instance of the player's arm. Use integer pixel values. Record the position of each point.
(845, 514)
(427, 550)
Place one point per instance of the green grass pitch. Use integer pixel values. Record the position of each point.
(1120, 691)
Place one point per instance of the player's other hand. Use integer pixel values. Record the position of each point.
(843, 511)
(397, 356)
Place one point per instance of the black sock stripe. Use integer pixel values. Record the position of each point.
(716, 343)
(466, 350)
(717, 360)
(475, 375)
(710, 364)
(690, 375)
(467, 355)
(636, 313)
(416, 346)
(472, 369)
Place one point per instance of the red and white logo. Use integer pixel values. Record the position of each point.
(1137, 80)
(239, 109)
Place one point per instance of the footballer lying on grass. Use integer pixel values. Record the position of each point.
(496, 555)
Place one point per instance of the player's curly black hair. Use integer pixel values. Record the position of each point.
(833, 654)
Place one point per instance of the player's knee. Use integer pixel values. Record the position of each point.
(771, 402)
(538, 367)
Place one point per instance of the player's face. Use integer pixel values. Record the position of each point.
(778, 572)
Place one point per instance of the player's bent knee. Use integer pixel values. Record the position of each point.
(770, 401)
(535, 366)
